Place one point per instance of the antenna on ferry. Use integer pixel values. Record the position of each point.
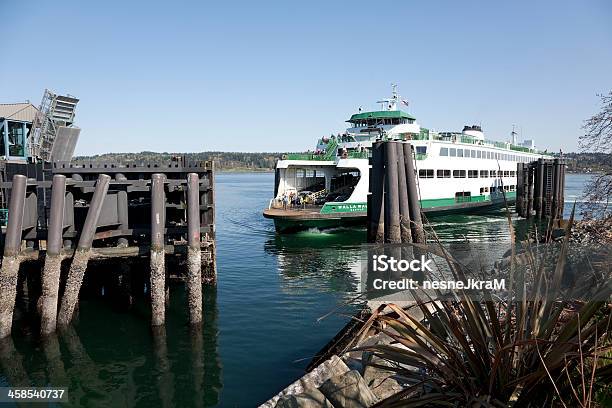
(513, 133)
(390, 103)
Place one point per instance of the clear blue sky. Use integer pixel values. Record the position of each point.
(274, 76)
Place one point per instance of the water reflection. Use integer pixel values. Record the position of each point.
(320, 260)
(163, 371)
(111, 357)
(11, 364)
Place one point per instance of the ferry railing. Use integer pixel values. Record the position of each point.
(277, 204)
(330, 153)
(364, 154)
(419, 137)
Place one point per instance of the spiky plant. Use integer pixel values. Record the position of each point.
(532, 350)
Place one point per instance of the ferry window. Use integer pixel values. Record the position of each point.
(472, 173)
(512, 173)
(453, 152)
(421, 149)
(484, 173)
(426, 173)
(473, 153)
(300, 173)
(478, 154)
(511, 188)
(444, 151)
(459, 152)
(493, 173)
(459, 173)
(443, 173)
(310, 173)
(506, 188)
(488, 155)
(506, 173)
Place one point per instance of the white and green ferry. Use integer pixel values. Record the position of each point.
(457, 171)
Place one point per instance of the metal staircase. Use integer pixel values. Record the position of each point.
(330, 150)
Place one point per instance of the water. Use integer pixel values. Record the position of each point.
(262, 322)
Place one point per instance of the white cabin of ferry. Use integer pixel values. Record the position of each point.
(455, 169)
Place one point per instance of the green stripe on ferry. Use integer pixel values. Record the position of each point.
(331, 208)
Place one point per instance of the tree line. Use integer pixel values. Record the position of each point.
(229, 161)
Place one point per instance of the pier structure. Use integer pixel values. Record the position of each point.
(394, 211)
(540, 189)
(77, 212)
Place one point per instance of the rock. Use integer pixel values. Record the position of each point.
(595, 231)
(380, 381)
(310, 398)
(355, 359)
(348, 390)
(329, 368)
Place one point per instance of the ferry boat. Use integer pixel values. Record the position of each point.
(457, 171)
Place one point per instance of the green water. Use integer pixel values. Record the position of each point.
(261, 323)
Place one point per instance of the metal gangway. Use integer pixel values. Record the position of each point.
(55, 114)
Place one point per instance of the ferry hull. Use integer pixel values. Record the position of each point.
(289, 221)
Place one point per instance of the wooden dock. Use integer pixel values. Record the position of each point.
(76, 212)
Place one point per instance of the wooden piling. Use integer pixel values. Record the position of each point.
(11, 260)
(194, 252)
(562, 188)
(406, 234)
(418, 234)
(82, 253)
(519, 189)
(392, 211)
(529, 171)
(376, 226)
(525, 197)
(53, 258)
(122, 209)
(157, 262)
(540, 188)
(556, 186)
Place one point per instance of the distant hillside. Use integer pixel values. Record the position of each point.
(224, 161)
(588, 162)
(236, 161)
